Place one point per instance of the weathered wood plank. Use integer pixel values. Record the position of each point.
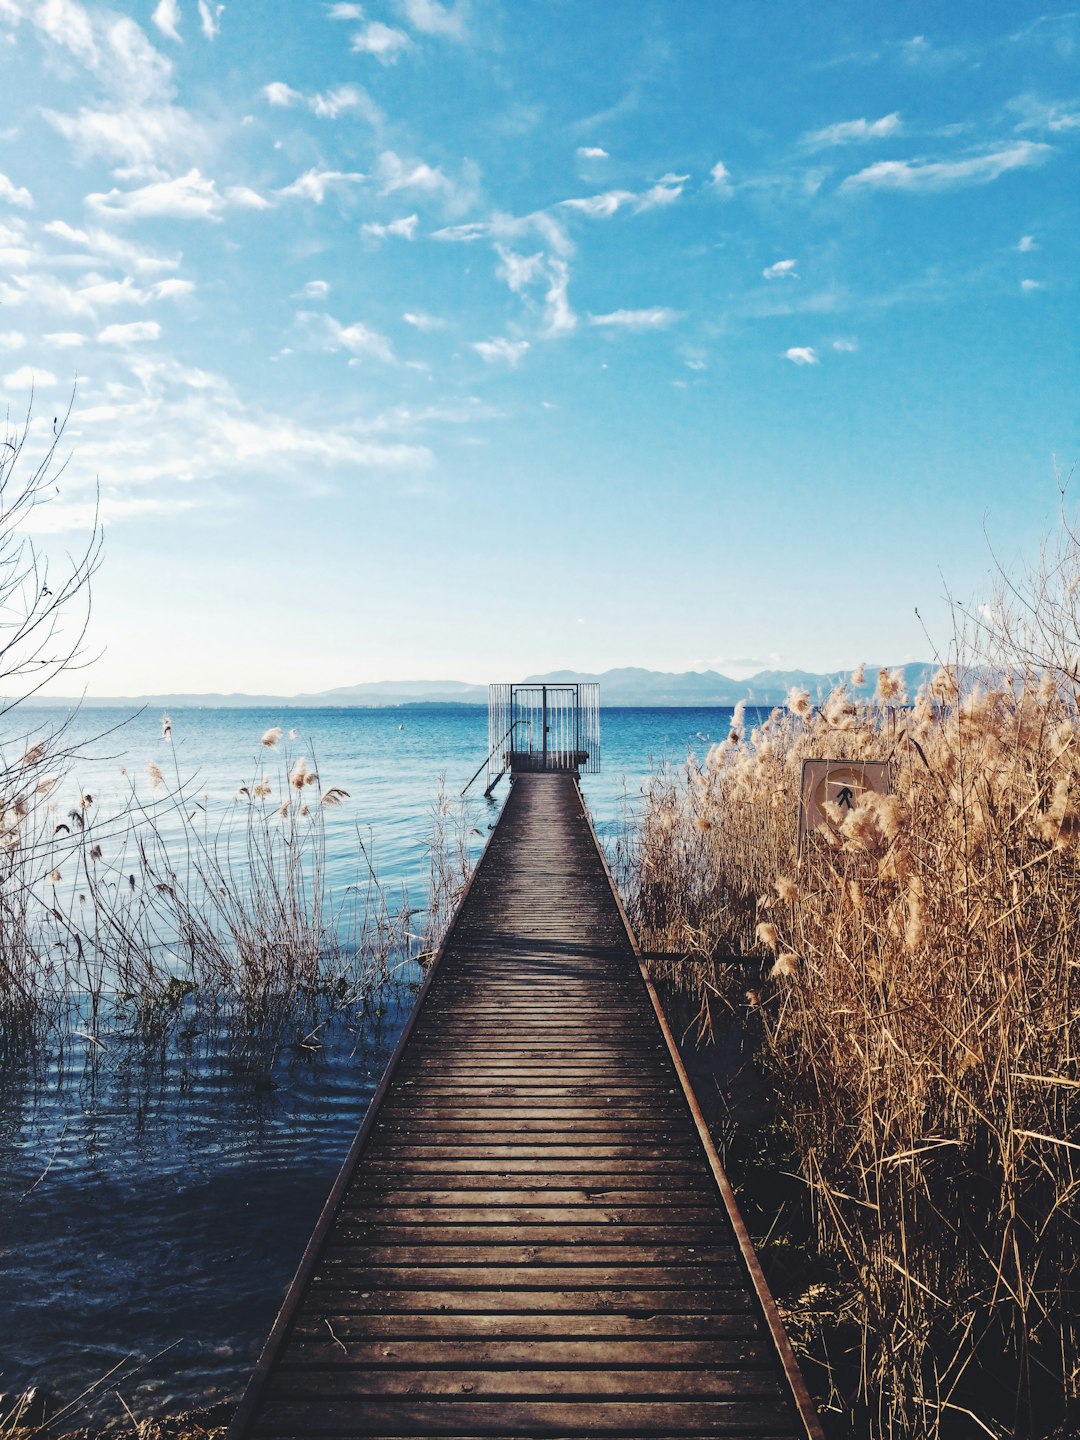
(529, 1240)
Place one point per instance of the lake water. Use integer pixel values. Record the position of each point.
(154, 1201)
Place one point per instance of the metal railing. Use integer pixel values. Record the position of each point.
(543, 726)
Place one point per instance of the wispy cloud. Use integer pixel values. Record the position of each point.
(665, 192)
(1050, 117)
(382, 41)
(15, 194)
(1026, 244)
(500, 350)
(1029, 285)
(801, 355)
(98, 245)
(134, 333)
(358, 339)
(592, 152)
(781, 270)
(423, 322)
(432, 18)
(853, 132)
(313, 290)
(913, 175)
(29, 378)
(12, 340)
(395, 174)
(404, 228)
(314, 184)
(346, 12)
(601, 207)
(210, 18)
(656, 317)
(845, 347)
(720, 179)
(65, 339)
(166, 17)
(327, 105)
(188, 197)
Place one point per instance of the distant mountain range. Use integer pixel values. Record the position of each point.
(627, 686)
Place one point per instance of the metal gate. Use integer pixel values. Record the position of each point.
(544, 727)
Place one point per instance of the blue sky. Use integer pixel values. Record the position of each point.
(470, 340)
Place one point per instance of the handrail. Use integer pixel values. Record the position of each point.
(491, 752)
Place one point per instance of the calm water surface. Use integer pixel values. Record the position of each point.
(154, 1201)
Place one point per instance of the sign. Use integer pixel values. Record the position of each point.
(843, 782)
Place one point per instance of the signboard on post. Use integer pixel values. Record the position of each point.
(841, 781)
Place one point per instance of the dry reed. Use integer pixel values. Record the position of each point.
(920, 1008)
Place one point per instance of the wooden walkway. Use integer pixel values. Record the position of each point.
(531, 1235)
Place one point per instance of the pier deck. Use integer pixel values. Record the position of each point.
(532, 1235)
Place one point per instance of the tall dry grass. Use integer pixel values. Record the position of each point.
(168, 902)
(921, 1008)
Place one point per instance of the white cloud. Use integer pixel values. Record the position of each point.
(313, 290)
(501, 350)
(188, 197)
(1030, 285)
(404, 228)
(172, 289)
(184, 433)
(382, 41)
(210, 18)
(12, 340)
(329, 105)
(657, 317)
(783, 269)
(101, 244)
(559, 318)
(167, 18)
(44, 291)
(592, 152)
(314, 184)
(358, 339)
(665, 192)
(133, 334)
(519, 271)
(65, 339)
(854, 132)
(346, 12)
(601, 207)
(720, 179)
(1026, 244)
(278, 93)
(915, 175)
(139, 136)
(845, 347)
(801, 355)
(432, 18)
(420, 321)
(15, 194)
(1038, 114)
(464, 234)
(396, 174)
(27, 378)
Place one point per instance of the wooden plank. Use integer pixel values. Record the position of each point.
(528, 1238)
(756, 1417)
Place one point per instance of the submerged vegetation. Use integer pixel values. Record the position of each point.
(918, 1007)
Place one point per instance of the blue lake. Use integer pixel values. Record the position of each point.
(154, 1200)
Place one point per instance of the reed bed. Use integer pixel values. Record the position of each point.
(918, 1005)
(135, 915)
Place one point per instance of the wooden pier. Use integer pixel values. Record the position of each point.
(532, 1234)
